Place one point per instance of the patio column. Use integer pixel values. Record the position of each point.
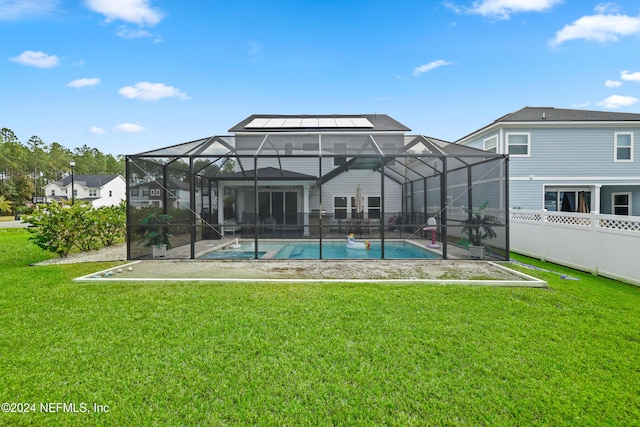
(220, 206)
(305, 208)
(595, 202)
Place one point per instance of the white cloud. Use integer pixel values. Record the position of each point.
(612, 83)
(83, 82)
(36, 59)
(147, 91)
(128, 128)
(601, 28)
(617, 101)
(97, 131)
(430, 66)
(503, 9)
(127, 33)
(603, 8)
(133, 11)
(581, 105)
(18, 9)
(633, 77)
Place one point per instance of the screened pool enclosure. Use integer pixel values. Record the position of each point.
(317, 187)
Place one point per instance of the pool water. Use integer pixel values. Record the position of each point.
(330, 250)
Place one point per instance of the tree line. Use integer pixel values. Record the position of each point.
(25, 168)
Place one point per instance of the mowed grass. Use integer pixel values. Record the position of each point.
(314, 354)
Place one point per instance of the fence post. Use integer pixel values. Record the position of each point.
(594, 245)
(543, 234)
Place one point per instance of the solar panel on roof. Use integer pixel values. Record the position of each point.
(309, 122)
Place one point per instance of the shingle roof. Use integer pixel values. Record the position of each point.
(558, 115)
(267, 173)
(380, 122)
(539, 114)
(90, 181)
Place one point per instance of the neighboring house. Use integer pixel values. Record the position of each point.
(150, 194)
(567, 160)
(99, 190)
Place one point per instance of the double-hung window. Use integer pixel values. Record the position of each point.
(621, 203)
(340, 148)
(491, 144)
(518, 144)
(340, 207)
(624, 147)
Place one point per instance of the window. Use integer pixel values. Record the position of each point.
(53, 192)
(624, 147)
(621, 203)
(145, 192)
(373, 207)
(567, 200)
(93, 192)
(340, 148)
(491, 144)
(155, 192)
(518, 144)
(340, 207)
(134, 192)
(110, 193)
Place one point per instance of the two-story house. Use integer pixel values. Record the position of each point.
(151, 193)
(567, 160)
(99, 190)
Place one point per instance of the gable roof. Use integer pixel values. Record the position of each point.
(546, 114)
(271, 123)
(558, 115)
(91, 181)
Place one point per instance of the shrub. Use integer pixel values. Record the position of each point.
(59, 228)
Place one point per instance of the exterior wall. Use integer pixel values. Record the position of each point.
(54, 190)
(605, 245)
(112, 193)
(569, 157)
(345, 186)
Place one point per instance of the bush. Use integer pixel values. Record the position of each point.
(59, 228)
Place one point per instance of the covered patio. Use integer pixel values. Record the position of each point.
(314, 184)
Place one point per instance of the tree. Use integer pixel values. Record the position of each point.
(35, 142)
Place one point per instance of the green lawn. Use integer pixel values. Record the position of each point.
(314, 354)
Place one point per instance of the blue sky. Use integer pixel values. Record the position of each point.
(126, 76)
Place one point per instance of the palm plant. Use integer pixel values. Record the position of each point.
(155, 229)
(478, 225)
(5, 205)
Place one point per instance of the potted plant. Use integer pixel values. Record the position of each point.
(155, 229)
(479, 226)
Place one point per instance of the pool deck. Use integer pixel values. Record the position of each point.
(203, 247)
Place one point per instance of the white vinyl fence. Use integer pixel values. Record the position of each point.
(606, 245)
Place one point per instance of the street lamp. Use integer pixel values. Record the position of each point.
(72, 163)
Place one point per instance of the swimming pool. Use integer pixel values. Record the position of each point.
(330, 250)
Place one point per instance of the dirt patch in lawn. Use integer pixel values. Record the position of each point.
(438, 271)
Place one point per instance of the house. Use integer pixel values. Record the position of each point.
(98, 190)
(314, 177)
(567, 160)
(151, 193)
